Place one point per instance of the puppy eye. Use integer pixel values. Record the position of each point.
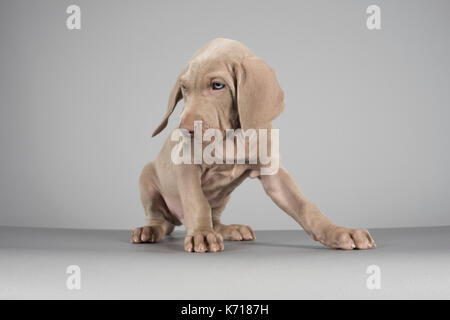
(217, 86)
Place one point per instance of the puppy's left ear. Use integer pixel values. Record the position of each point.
(259, 96)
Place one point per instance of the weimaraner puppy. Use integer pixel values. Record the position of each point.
(226, 87)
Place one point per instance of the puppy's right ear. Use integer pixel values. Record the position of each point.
(175, 96)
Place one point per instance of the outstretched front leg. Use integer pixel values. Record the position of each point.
(283, 190)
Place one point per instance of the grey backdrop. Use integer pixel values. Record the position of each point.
(365, 130)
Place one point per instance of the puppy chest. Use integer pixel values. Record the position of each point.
(218, 183)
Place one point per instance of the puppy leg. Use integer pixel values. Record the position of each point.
(200, 236)
(236, 232)
(283, 190)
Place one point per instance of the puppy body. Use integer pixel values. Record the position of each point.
(226, 87)
(159, 184)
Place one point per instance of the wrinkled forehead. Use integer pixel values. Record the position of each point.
(207, 68)
(216, 58)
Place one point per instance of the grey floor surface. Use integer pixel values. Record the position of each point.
(413, 262)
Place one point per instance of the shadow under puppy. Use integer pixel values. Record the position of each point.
(225, 87)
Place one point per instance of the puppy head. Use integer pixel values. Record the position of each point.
(226, 87)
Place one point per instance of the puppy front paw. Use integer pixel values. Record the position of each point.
(203, 241)
(347, 239)
(235, 232)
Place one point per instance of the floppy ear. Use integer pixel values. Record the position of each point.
(175, 96)
(259, 96)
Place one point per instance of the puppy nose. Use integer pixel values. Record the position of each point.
(188, 127)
